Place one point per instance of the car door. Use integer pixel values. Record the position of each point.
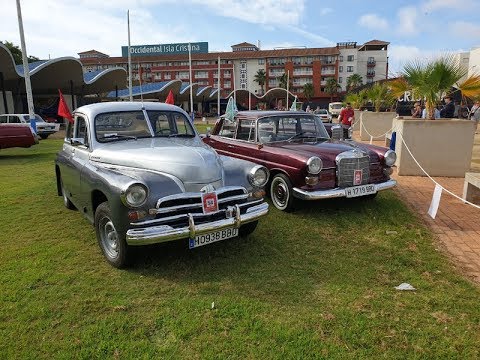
(76, 150)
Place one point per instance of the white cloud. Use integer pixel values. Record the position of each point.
(320, 40)
(465, 29)
(433, 5)
(326, 11)
(373, 21)
(407, 21)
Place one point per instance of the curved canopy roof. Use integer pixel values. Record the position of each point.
(65, 73)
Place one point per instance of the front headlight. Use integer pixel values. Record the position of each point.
(314, 165)
(135, 195)
(390, 157)
(258, 176)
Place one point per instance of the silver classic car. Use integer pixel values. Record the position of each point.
(141, 174)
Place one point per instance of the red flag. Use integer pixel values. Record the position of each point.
(63, 110)
(170, 99)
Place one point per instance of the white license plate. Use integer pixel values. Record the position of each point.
(206, 239)
(360, 190)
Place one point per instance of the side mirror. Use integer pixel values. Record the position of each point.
(208, 132)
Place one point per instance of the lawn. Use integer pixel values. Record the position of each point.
(318, 283)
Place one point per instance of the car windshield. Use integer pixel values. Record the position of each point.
(291, 127)
(336, 106)
(322, 112)
(124, 125)
(37, 118)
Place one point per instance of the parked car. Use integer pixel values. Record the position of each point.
(335, 108)
(304, 162)
(16, 135)
(43, 129)
(140, 173)
(324, 115)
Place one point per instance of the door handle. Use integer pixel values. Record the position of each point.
(230, 146)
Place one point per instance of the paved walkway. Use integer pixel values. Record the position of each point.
(456, 225)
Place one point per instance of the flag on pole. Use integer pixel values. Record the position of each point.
(294, 105)
(170, 99)
(63, 109)
(231, 109)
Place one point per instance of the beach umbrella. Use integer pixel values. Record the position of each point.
(231, 109)
(294, 105)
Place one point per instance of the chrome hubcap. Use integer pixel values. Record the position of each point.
(109, 238)
(280, 193)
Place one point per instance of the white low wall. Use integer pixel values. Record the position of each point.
(441, 147)
(375, 124)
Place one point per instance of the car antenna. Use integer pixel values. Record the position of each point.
(140, 80)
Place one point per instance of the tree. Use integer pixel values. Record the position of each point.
(332, 87)
(17, 53)
(354, 81)
(430, 80)
(358, 100)
(308, 91)
(260, 78)
(380, 95)
(282, 81)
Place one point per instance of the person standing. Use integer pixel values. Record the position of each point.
(346, 119)
(475, 111)
(448, 110)
(417, 110)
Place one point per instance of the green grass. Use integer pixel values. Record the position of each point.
(318, 283)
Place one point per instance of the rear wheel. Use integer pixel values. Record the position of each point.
(112, 243)
(247, 229)
(281, 192)
(44, 136)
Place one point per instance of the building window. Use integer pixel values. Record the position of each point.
(341, 57)
(201, 74)
(349, 68)
(227, 84)
(350, 58)
(371, 59)
(340, 80)
(261, 61)
(243, 65)
(167, 76)
(340, 68)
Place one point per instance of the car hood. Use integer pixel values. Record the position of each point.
(326, 150)
(190, 160)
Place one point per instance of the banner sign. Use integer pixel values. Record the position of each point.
(165, 49)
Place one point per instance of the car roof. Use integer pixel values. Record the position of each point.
(112, 106)
(263, 113)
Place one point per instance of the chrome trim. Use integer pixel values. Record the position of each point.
(252, 172)
(125, 190)
(164, 233)
(189, 195)
(335, 193)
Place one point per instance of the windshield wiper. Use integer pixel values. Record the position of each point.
(181, 135)
(119, 137)
(302, 134)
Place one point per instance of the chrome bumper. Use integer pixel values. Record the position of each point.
(334, 193)
(164, 233)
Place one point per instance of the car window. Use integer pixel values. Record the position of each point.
(3, 119)
(228, 128)
(246, 130)
(14, 119)
(121, 125)
(80, 131)
(170, 123)
(281, 128)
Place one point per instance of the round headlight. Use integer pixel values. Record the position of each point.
(314, 165)
(258, 176)
(135, 195)
(390, 157)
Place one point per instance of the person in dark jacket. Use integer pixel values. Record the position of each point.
(449, 109)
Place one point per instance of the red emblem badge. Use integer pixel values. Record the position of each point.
(209, 202)
(357, 177)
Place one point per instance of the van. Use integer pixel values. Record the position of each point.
(334, 108)
(43, 128)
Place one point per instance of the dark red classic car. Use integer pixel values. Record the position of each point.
(16, 135)
(304, 162)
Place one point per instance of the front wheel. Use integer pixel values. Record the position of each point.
(112, 243)
(281, 192)
(44, 136)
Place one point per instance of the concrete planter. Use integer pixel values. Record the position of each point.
(441, 147)
(376, 124)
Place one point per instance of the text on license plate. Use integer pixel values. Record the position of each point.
(360, 190)
(205, 239)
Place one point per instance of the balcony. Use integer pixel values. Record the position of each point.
(371, 63)
(370, 74)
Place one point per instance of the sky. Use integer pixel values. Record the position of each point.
(416, 30)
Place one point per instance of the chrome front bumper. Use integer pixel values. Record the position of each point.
(164, 233)
(335, 193)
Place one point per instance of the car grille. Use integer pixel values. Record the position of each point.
(347, 163)
(173, 210)
(337, 132)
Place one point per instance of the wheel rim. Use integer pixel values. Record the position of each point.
(109, 237)
(280, 193)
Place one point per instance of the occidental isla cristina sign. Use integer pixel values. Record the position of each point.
(163, 49)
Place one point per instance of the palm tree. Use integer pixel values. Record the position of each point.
(332, 87)
(260, 78)
(380, 95)
(357, 99)
(308, 91)
(354, 81)
(282, 81)
(430, 80)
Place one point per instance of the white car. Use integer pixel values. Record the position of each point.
(324, 115)
(43, 128)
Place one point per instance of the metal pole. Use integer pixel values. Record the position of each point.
(26, 71)
(191, 82)
(4, 95)
(249, 99)
(288, 81)
(234, 91)
(73, 96)
(218, 86)
(130, 95)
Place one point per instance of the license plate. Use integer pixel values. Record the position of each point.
(206, 239)
(360, 190)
